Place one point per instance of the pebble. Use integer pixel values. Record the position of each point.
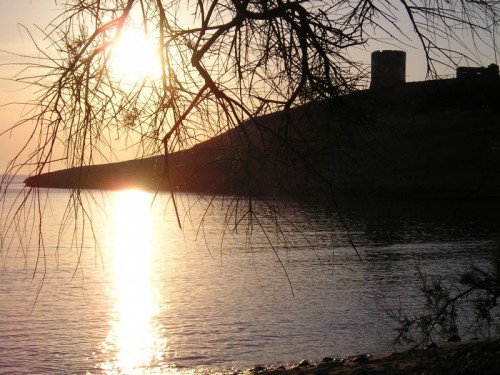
(360, 358)
(304, 363)
(258, 369)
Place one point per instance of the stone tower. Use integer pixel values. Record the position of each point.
(388, 68)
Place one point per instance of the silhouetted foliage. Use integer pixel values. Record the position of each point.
(451, 308)
(221, 64)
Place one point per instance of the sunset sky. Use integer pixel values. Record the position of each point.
(14, 39)
(39, 12)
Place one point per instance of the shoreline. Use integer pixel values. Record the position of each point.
(476, 356)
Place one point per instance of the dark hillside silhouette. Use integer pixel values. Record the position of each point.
(436, 137)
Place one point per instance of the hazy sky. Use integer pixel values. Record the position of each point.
(13, 39)
(40, 12)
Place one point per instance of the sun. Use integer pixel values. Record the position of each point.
(134, 56)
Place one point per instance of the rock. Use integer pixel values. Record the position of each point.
(258, 369)
(360, 358)
(454, 338)
(432, 345)
(327, 359)
(303, 363)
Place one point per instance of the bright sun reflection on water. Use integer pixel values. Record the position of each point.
(135, 343)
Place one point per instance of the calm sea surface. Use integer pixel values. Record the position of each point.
(126, 291)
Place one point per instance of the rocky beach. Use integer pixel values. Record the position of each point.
(479, 356)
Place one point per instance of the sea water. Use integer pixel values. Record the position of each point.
(126, 282)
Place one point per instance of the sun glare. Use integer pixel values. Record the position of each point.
(134, 336)
(134, 56)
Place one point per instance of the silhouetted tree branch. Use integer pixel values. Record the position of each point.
(222, 64)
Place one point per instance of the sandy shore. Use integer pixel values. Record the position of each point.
(467, 357)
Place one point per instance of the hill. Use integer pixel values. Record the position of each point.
(434, 138)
